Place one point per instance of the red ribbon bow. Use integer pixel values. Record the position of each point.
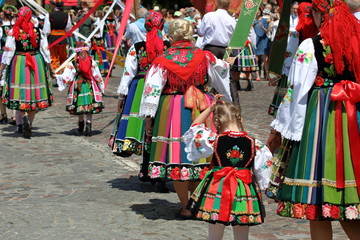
(29, 61)
(229, 187)
(348, 92)
(98, 50)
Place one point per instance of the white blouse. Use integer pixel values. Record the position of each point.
(218, 78)
(69, 74)
(130, 71)
(290, 117)
(10, 48)
(199, 142)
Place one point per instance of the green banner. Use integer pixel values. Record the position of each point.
(244, 23)
(278, 47)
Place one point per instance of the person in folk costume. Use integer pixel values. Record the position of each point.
(245, 63)
(319, 114)
(86, 88)
(56, 24)
(98, 51)
(7, 23)
(173, 95)
(305, 28)
(26, 85)
(228, 194)
(110, 31)
(127, 136)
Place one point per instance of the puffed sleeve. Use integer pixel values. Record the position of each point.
(9, 49)
(290, 117)
(199, 142)
(66, 77)
(130, 70)
(97, 76)
(47, 25)
(44, 47)
(262, 164)
(154, 84)
(219, 75)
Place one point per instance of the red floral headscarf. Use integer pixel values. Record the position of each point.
(25, 24)
(344, 45)
(154, 24)
(306, 26)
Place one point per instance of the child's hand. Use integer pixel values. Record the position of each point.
(216, 101)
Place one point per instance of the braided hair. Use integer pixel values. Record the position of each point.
(227, 113)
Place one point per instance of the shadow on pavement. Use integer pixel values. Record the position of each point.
(134, 184)
(158, 209)
(74, 132)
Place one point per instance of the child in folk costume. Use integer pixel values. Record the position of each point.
(229, 193)
(85, 87)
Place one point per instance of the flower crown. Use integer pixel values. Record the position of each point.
(9, 9)
(82, 49)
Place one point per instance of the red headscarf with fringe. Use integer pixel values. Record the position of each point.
(25, 24)
(154, 24)
(306, 26)
(341, 31)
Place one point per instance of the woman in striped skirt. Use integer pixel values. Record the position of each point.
(174, 95)
(28, 59)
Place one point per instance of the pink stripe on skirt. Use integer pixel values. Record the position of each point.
(27, 83)
(36, 79)
(163, 154)
(175, 146)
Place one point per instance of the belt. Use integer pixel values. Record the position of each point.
(57, 32)
(210, 45)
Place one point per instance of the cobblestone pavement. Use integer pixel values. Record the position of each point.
(59, 185)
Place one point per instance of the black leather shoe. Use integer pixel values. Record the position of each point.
(87, 129)
(81, 126)
(27, 127)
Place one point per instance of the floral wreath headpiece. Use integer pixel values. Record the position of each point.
(81, 47)
(6, 10)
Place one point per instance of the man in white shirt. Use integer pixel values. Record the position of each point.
(136, 32)
(216, 29)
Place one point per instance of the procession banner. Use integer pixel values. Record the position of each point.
(278, 47)
(244, 23)
(126, 15)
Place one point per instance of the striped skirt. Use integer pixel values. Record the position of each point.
(208, 201)
(278, 96)
(309, 189)
(110, 43)
(26, 89)
(246, 61)
(83, 100)
(128, 131)
(168, 160)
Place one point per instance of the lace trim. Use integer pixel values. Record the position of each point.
(123, 90)
(148, 109)
(278, 126)
(166, 139)
(314, 183)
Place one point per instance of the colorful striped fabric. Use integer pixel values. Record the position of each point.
(168, 160)
(27, 89)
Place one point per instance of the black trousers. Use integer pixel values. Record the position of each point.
(218, 51)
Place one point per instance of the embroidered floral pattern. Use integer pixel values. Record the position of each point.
(177, 172)
(302, 57)
(24, 39)
(235, 155)
(153, 90)
(326, 211)
(330, 71)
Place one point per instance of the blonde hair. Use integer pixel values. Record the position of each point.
(227, 113)
(180, 29)
(223, 4)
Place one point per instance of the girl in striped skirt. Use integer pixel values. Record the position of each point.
(229, 193)
(26, 83)
(86, 87)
